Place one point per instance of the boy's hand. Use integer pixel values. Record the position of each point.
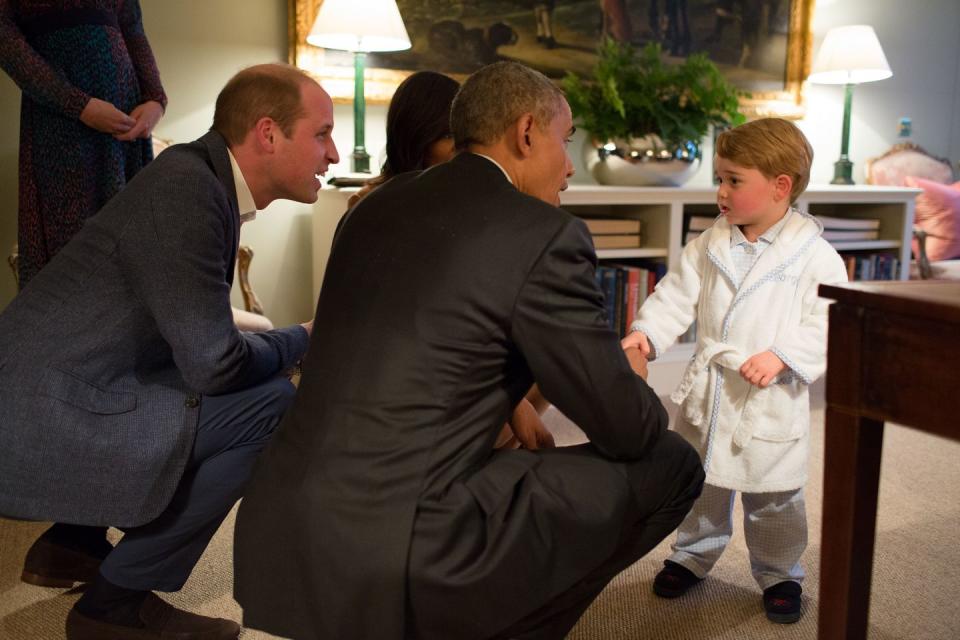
(636, 339)
(638, 361)
(762, 368)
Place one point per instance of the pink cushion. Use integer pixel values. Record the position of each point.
(894, 168)
(938, 213)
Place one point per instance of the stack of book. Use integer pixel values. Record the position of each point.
(697, 224)
(614, 233)
(625, 287)
(841, 229)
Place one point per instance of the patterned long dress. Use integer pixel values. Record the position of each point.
(61, 53)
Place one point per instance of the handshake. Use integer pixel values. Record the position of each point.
(637, 349)
(759, 369)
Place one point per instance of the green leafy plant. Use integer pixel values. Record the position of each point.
(635, 94)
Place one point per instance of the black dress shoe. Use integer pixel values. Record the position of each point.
(54, 563)
(158, 621)
(674, 580)
(782, 602)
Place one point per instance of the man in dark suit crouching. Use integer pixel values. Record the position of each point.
(129, 397)
(380, 510)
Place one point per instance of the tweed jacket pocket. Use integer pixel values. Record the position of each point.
(79, 393)
(493, 485)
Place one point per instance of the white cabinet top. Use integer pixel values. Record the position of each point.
(597, 194)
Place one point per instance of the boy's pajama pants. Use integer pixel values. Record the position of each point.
(775, 526)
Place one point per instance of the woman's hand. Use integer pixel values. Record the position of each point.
(106, 118)
(146, 117)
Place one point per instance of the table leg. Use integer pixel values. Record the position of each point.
(851, 476)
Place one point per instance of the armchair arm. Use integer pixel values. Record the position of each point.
(250, 301)
(923, 263)
(14, 261)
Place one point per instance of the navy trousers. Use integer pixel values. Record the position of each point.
(233, 429)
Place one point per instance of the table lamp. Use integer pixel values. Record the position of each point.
(359, 26)
(848, 56)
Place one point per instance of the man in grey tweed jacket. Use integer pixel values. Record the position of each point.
(129, 397)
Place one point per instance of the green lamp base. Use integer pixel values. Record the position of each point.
(360, 160)
(842, 172)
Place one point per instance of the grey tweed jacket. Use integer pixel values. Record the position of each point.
(106, 354)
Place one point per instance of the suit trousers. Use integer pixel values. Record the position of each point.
(665, 484)
(774, 525)
(233, 429)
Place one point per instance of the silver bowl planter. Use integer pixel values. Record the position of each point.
(641, 162)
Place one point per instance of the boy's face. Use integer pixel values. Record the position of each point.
(748, 198)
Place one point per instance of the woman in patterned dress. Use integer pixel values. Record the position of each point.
(91, 97)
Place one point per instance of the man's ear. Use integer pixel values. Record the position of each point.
(523, 133)
(266, 131)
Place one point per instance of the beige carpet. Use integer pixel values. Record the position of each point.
(913, 597)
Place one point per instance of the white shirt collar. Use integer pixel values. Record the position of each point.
(499, 166)
(248, 208)
(768, 236)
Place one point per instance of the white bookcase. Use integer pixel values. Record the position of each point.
(662, 210)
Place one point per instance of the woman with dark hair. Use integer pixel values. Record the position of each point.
(418, 127)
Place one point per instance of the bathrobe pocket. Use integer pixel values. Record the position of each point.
(777, 413)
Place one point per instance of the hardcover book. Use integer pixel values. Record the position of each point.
(599, 226)
(830, 222)
(617, 241)
(851, 234)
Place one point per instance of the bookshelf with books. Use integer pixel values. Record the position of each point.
(867, 225)
(625, 286)
(661, 217)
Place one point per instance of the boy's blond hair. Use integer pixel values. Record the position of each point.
(772, 146)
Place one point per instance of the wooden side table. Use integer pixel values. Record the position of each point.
(893, 350)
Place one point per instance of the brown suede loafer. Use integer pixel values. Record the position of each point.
(49, 564)
(161, 621)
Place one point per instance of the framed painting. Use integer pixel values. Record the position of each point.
(761, 46)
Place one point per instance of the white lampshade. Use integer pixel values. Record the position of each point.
(359, 25)
(850, 55)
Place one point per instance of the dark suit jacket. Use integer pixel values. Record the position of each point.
(446, 294)
(104, 355)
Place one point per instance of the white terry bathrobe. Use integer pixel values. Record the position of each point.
(750, 439)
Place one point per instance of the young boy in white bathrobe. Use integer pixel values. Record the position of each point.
(750, 283)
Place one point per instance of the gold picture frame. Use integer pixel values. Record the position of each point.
(337, 79)
(335, 71)
(789, 102)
